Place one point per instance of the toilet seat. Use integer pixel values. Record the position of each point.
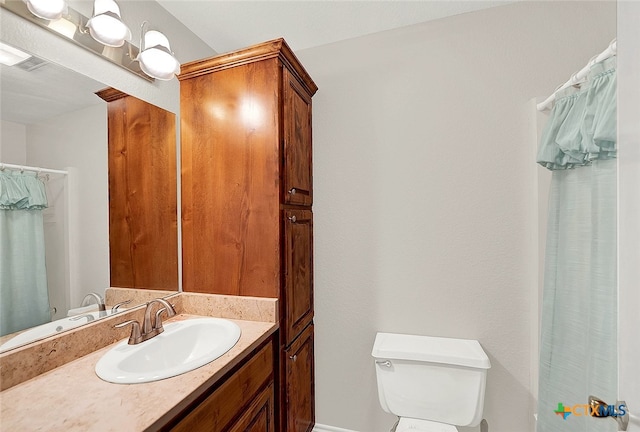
(416, 425)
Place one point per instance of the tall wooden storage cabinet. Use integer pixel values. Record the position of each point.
(143, 212)
(247, 225)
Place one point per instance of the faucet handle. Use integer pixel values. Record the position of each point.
(136, 336)
(115, 307)
(158, 321)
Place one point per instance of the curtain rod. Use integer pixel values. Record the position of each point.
(579, 76)
(34, 169)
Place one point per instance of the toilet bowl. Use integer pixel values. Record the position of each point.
(432, 384)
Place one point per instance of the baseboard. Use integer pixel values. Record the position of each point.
(325, 428)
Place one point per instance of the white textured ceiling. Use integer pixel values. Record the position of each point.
(230, 25)
(50, 90)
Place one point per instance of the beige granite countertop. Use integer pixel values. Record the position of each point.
(73, 398)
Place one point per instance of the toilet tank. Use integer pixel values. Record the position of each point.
(431, 378)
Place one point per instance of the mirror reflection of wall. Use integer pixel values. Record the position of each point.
(51, 118)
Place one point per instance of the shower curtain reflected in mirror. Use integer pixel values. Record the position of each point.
(24, 299)
(578, 354)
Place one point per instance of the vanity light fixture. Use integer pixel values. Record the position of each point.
(105, 28)
(106, 25)
(155, 57)
(47, 9)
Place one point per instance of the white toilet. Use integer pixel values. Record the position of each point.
(432, 384)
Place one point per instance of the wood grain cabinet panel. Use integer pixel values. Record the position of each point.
(240, 395)
(297, 175)
(299, 388)
(143, 227)
(247, 191)
(298, 251)
(230, 207)
(259, 416)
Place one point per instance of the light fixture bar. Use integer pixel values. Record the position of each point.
(123, 56)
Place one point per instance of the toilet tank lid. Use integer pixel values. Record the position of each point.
(459, 352)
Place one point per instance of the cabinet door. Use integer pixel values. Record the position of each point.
(297, 175)
(298, 295)
(218, 411)
(259, 416)
(300, 404)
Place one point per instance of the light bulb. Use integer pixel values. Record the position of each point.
(47, 9)
(156, 59)
(106, 25)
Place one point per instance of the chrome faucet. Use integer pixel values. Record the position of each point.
(99, 301)
(147, 326)
(149, 329)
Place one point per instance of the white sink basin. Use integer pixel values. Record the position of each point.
(182, 347)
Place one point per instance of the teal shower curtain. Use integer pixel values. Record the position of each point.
(24, 299)
(578, 346)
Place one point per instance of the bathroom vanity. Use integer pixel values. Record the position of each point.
(235, 392)
(243, 401)
(247, 194)
(247, 240)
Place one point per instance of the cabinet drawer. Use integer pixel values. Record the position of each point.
(299, 387)
(216, 412)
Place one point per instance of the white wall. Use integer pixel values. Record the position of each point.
(425, 212)
(629, 205)
(79, 140)
(13, 143)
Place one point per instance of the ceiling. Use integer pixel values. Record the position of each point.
(33, 96)
(230, 25)
(30, 97)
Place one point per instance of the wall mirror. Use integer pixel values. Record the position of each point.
(52, 118)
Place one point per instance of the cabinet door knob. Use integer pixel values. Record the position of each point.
(294, 357)
(292, 218)
(292, 191)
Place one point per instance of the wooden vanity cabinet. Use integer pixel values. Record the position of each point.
(247, 191)
(260, 415)
(244, 402)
